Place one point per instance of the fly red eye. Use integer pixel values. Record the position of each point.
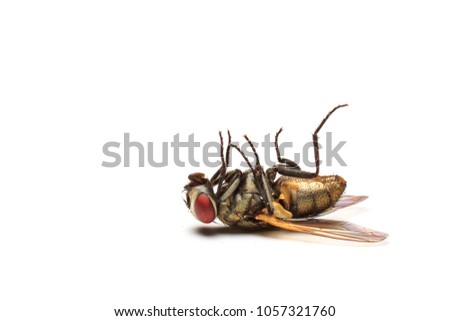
(204, 209)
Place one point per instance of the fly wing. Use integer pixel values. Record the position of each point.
(343, 202)
(348, 200)
(328, 228)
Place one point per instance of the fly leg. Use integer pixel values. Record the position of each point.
(220, 174)
(281, 160)
(316, 138)
(215, 179)
(290, 168)
(263, 184)
(285, 166)
(230, 183)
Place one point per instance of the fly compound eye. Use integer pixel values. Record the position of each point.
(200, 198)
(204, 209)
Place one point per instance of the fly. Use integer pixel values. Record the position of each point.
(257, 199)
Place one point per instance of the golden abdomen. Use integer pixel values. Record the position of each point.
(309, 196)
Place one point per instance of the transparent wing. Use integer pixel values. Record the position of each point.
(327, 228)
(343, 202)
(348, 200)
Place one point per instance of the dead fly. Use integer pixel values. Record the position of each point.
(255, 199)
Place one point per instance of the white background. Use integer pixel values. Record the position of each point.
(78, 240)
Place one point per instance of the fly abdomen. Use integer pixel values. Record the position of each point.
(309, 196)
